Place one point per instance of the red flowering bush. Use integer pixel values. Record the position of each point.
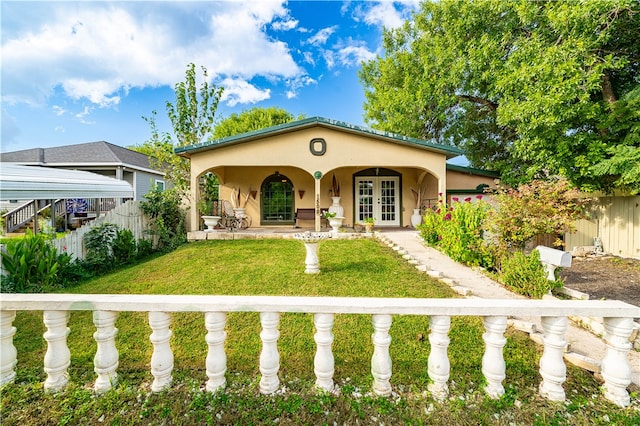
(457, 231)
(494, 237)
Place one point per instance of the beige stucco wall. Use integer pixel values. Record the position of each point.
(460, 180)
(246, 165)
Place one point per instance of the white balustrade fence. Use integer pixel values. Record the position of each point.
(618, 319)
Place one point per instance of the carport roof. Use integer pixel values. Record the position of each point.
(449, 151)
(18, 182)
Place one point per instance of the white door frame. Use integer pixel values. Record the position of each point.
(378, 197)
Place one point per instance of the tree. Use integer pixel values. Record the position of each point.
(252, 120)
(525, 88)
(623, 165)
(192, 118)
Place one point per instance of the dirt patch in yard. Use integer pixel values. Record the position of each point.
(604, 277)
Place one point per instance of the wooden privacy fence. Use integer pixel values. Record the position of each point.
(616, 220)
(128, 216)
(616, 371)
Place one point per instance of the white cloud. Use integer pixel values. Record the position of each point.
(294, 85)
(58, 110)
(81, 115)
(98, 51)
(322, 36)
(241, 91)
(285, 25)
(354, 55)
(386, 13)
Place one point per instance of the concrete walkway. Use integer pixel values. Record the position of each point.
(584, 348)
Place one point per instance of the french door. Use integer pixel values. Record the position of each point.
(378, 197)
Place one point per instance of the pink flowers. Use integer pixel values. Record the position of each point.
(456, 199)
(468, 199)
(479, 196)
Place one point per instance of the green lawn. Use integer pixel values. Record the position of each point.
(276, 267)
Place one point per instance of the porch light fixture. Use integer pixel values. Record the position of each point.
(301, 193)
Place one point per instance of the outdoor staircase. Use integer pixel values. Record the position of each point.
(21, 218)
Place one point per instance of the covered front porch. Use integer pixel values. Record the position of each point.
(321, 164)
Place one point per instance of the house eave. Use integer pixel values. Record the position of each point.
(187, 151)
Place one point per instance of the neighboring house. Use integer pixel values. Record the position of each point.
(101, 157)
(292, 166)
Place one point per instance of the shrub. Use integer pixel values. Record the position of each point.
(124, 246)
(99, 244)
(108, 246)
(163, 207)
(537, 208)
(525, 275)
(457, 231)
(32, 265)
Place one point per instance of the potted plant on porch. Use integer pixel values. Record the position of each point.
(335, 197)
(239, 204)
(205, 208)
(369, 222)
(418, 196)
(335, 221)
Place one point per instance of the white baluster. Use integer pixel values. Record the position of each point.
(8, 353)
(269, 357)
(216, 358)
(58, 358)
(381, 360)
(615, 364)
(323, 363)
(552, 367)
(493, 366)
(106, 359)
(438, 359)
(162, 358)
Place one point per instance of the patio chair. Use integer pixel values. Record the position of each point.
(231, 220)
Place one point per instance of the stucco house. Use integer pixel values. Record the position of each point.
(283, 169)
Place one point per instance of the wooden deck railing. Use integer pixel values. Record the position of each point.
(618, 320)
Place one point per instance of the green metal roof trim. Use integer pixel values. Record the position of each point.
(472, 171)
(449, 151)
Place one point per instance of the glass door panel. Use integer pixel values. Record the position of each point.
(378, 197)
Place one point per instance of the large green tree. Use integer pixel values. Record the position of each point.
(526, 88)
(252, 120)
(192, 118)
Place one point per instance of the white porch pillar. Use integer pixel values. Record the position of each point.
(194, 220)
(316, 177)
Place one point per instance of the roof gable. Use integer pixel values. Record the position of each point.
(294, 126)
(87, 154)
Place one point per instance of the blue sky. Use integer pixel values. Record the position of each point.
(75, 72)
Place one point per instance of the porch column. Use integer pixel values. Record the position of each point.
(317, 176)
(193, 211)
